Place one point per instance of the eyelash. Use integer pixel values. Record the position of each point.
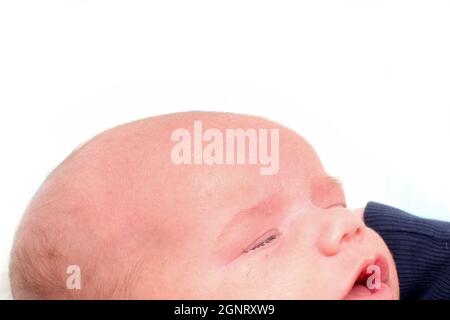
(337, 181)
(337, 205)
(266, 238)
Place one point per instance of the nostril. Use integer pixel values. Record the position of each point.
(347, 237)
(339, 229)
(359, 233)
(356, 234)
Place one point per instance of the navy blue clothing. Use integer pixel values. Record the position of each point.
(420, 247)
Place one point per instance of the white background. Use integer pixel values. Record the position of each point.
(366, 82)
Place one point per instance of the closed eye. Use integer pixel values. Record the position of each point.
(267, 238)
(327, 192)
(337, 205)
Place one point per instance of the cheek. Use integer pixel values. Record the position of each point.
(283, 271)
(274, 280)
(302, 267)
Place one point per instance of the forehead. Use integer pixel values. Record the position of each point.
(136, 161)
(243, 185)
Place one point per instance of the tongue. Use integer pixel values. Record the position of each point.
(358, 292)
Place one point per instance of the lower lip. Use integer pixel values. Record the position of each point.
(360, 292)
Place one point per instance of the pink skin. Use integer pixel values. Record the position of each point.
(183, 232)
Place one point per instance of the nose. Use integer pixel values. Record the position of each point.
(338, 227)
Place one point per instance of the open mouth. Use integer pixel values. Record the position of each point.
(369, 282)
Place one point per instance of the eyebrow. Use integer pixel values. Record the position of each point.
(263, 208)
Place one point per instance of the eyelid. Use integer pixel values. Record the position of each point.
(326, 192)
(262, 240)
(337, 205)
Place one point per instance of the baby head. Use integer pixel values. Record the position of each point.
(147, 211)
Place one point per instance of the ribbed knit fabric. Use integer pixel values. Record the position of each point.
(421, 250)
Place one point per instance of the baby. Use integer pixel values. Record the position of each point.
(146, 211)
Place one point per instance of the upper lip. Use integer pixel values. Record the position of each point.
(361, 274)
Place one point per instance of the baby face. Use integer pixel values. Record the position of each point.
(218, 231)
(291, 238)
